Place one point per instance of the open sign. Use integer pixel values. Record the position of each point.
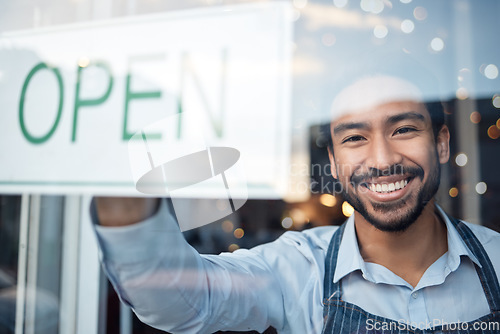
(77, 94)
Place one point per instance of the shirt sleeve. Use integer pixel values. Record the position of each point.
(172, 287)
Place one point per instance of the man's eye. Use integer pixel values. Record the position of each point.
(353, 139)
(404, 130)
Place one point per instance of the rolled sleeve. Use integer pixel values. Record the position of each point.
(139, 242)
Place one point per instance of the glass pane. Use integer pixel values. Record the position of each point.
(48, 280)
(38, 263)
(455, 41)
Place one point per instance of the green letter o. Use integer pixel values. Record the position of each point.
(33, 139)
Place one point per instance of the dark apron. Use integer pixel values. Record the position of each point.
(341, 317)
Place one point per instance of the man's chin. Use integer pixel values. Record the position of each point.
(394, 221)
(398, 215)
(394, 216)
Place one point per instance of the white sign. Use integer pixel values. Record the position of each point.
(72, 97)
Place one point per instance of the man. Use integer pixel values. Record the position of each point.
(399, 264)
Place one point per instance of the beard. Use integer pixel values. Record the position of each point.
(394, 217)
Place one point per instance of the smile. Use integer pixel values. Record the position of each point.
(387, 187)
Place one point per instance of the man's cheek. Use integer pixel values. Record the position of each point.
(362, 189)
(345, 170)
(350, 187)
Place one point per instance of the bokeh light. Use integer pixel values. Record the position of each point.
(461, 159)
(420, 13)
(372, 6)
(328, 200)
(339, 3)
(287, 222)
(380, 31)
(405, 1)
(493, 132)
(239, 233)
(347, 209)
(453, 192)
(227, 226)
(498, 123)
(491, 71)
(481, 188)
(496, 101)
(475, 117)
(328, 39)
(437, 44)
(233, 247)
(407, 26)
(462, 93)
(83, 62)
(298, 217)
(464, 74)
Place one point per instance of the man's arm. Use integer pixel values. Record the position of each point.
(123, 211)
(169, 285)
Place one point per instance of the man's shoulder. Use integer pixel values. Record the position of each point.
(317, 237)
(484, 234)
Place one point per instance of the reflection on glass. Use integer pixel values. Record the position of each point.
(437, 44)
(462, 93)
(481, 188)
(475, 117)
(380, 31)
(407, 26)
(287, 222)
(461, 159)
(496, 101)
(493, 132)
(420, 13)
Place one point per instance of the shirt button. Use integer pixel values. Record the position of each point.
(414, 295)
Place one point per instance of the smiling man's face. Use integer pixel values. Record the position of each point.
(388, 161)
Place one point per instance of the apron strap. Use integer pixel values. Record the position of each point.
(486, 272)
(331, 290)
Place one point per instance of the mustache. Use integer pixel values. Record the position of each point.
(411, 171)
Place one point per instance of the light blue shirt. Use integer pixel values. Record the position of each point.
(280, 284)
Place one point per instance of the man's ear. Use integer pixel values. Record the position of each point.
(333, 167)
(443, 144)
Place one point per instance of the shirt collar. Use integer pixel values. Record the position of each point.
(349, 258)
(456, 245)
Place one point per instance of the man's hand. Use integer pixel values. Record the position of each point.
(121, 211)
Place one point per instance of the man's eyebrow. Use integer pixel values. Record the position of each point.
(349, 126)
(411, 115)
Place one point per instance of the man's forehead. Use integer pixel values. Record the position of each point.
(370, 92)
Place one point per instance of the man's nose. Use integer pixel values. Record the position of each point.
(383, 153)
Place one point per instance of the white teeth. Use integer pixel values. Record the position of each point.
(388, 187)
